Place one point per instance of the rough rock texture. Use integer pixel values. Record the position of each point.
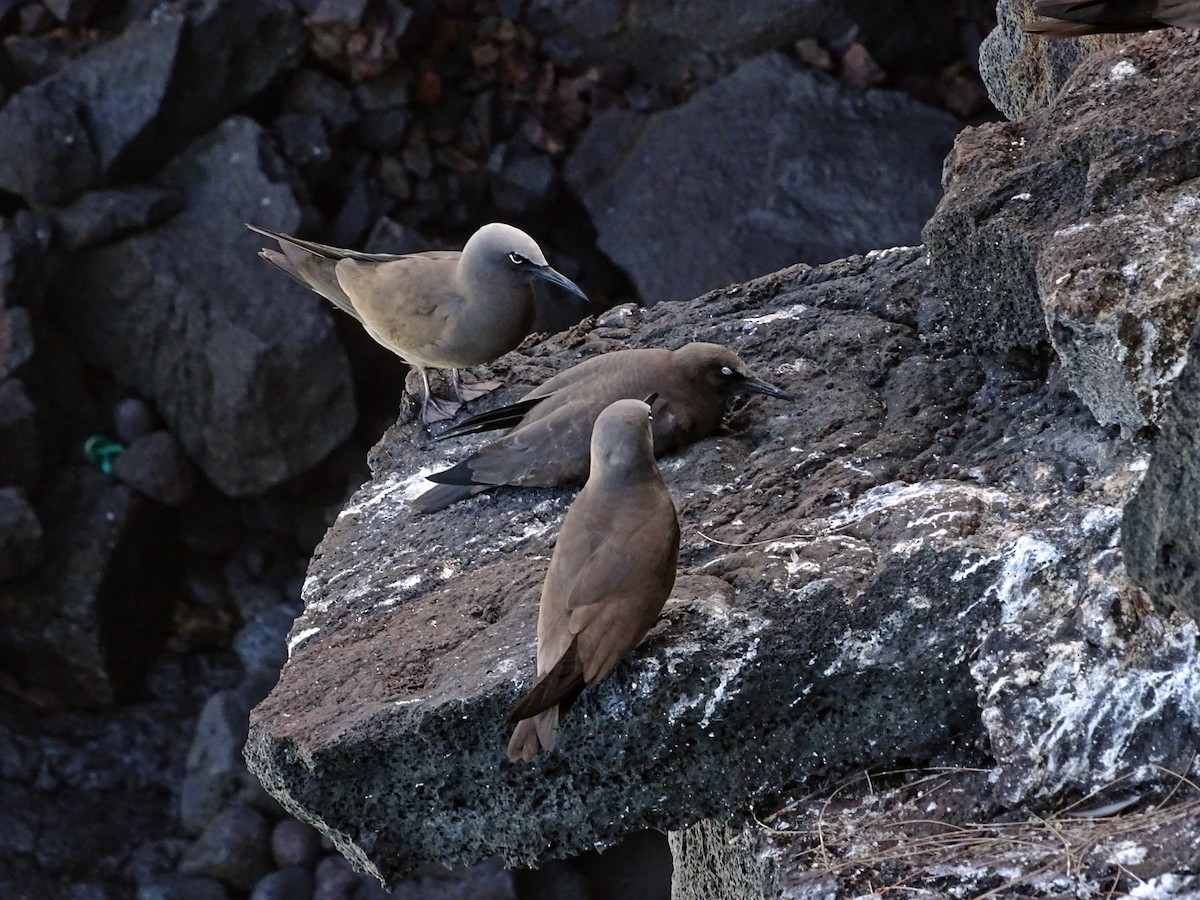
(855, 568)
(244, 368)
(660, 39)
(671, 41)
(1161, 527)
(772, 165)
(191, 64)
(1074, 227)
(133, 309)
(20, 534)
(94, 620)
(1077, 228)
(1023, 72)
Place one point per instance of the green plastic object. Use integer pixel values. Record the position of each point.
(102, 452)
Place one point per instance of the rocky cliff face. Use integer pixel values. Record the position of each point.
(964, 549)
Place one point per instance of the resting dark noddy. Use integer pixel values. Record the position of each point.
(612, 570)
(553, 422)
(437, 310)
(1070, 18)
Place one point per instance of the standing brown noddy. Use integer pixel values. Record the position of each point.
(612, 570)
(442, 309)
(553, 422)
(1070, 18)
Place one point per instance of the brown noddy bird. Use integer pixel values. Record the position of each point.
(612, 570)
(437, 310)
(552, 424)
(1071, 18)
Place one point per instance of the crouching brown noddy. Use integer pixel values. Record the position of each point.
(1071, 18)
(436, 310)
(612, 570)
(553, 422)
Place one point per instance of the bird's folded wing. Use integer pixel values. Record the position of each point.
(494, 419)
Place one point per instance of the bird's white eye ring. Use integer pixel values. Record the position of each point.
(516, 259)
(725, 370)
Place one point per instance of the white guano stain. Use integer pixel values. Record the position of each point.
(299, 638)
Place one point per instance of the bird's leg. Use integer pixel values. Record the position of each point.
(434, 409)
(471, 391)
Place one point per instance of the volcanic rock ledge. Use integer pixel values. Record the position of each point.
(854, 573)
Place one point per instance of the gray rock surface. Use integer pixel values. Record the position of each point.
(670, 41)
(245, 370)
(771, 165)
(234, 848)
(20, 534)
(105, 215)
(154, 465)
(183, 887)
(660, 40)
(1022, 73)
(1161, 528)
(92, 620)
(191, 64)
(20, 438)
(855, 569)
(215, 774)
(1074, 228)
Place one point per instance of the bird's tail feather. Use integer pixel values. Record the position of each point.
(442, 495)
(557, 688)
(493, 419)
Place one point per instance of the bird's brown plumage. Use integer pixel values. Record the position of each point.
(441, 309)
(1071, 18)
(612, 570)
(549, 443)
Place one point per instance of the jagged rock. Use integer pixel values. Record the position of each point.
(855, 568)
(86, 626)
(154, 465)
(522, 181)
(126, 106)
(285, 884)
(234, 849)
(669, 42)
(1161, 528)
(807, 171)
(183, 887)
(20, 534)
(101, 216)
(133, 419)
(70, 12)
(20, 441)
(215, 774)
(1073, 227)
(661, 40)
(303, 139)
(294, 843)
(243, 366)
(1022, 73)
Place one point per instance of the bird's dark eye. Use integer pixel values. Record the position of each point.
(517, 259)
(726, 371)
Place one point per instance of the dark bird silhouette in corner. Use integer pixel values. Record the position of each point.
(442, 309)
(612, 570)
(552, 425)
(1071, 18)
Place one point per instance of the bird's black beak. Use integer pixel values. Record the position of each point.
(649, 401)
(758, 386)
(548, 274)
